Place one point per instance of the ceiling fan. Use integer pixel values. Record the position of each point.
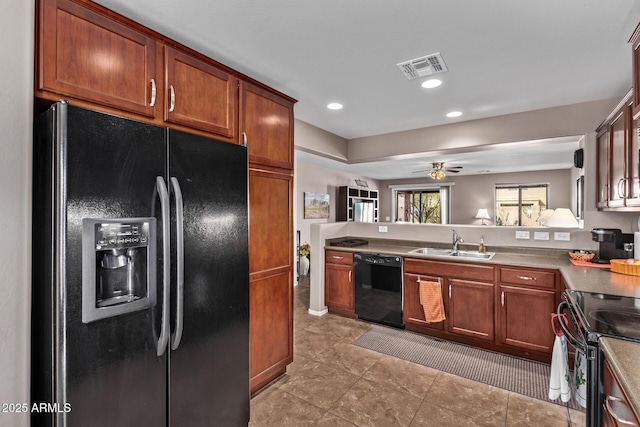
(438, 171)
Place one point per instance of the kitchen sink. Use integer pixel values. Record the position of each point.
(449, 252)
(431, 251)
(473, 254)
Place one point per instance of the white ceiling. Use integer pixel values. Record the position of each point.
(503, 56)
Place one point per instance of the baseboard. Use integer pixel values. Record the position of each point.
(318, 313)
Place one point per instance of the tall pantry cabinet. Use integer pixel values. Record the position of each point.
(154, 79)
(266, 126)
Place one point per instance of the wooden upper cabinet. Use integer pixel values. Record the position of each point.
(266, 125)
(618, 159)
(602, 166)
(635, 41)
(88, 56)
(199, 95)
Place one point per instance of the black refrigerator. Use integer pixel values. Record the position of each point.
(140, 298)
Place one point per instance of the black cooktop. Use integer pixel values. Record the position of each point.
(608, 315)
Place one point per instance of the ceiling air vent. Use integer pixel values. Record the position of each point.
(423, 66)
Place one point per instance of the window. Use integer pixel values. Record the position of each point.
(521, 204)
(422, 205)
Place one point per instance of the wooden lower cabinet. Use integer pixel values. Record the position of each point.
(496, 307)
(616, 409)
(338, 278)
(270, 275)
(471, 308)
(525, 318)
(467, 294)
(271, 328)
(528, 297)
(412, 311)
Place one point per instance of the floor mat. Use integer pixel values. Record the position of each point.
(499, 370)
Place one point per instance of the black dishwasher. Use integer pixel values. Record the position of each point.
(378, 283)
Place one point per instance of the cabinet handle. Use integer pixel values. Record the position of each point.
(619, 188)
(349, 276)
(526, 278)
(153, 93)
(337, 257)
(172, 106)
(244, 138)
(613, 414)
(449, 290)
(502, 298)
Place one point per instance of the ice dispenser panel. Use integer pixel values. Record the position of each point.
(118, 266)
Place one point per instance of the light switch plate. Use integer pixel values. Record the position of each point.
(540, 235)
(382, 229)
(562, 236)
(523, 235)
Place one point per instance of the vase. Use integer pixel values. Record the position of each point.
(304, 265)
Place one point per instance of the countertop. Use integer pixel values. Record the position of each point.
(589, 279)
(623, 355)
(624, 358)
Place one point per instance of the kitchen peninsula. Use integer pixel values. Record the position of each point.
(509, 254)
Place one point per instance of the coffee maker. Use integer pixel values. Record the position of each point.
(614, 244)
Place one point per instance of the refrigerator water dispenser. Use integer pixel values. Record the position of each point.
(118, 266)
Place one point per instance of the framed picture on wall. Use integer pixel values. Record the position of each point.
(316, 205)
(580, 197)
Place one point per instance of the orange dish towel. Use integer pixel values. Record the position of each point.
(431, 301)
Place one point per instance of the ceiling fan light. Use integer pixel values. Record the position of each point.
(433, 174)
(440, 174)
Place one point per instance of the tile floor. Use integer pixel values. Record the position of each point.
(333, 383)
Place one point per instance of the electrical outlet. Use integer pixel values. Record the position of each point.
(382, 229)
(562, 236)
(540, 235)
(523, 235)
(387, 218)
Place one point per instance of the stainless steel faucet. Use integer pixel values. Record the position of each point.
(456, 240)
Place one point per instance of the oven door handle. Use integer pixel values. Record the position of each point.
(572, 340)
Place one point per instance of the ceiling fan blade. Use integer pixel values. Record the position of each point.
(422, 171)
(452, 170)
(455, 167)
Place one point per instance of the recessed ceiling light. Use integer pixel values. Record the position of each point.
(334, 106)
(431, 83)
(454, 114)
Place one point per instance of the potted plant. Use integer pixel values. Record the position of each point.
(304, 252)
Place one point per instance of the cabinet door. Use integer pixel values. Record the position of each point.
(525, 318)
(471, 308)
(339, 291)
(412, 311)
(271, 221)
(271, 275)
(618, 160)
(266, 124)
(602, 165)
(635, 40)
(633, 157)
(85, 55)
(270, 327)
(199, 95)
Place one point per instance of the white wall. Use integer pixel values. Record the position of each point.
(16, 72)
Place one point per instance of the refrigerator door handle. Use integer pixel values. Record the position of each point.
(177, 335)
(166, 260)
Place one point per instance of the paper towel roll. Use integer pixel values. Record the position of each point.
(636, 245)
